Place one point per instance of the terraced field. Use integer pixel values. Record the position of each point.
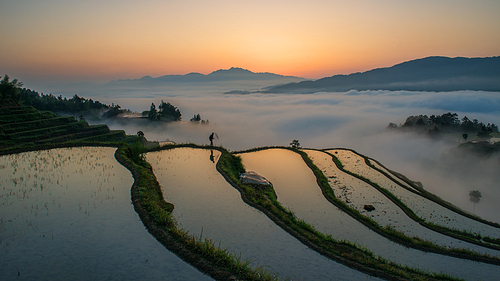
(328, 214)
(297, 190)
(22, 126)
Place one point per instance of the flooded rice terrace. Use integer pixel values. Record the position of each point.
(426, 209)
(66, 214)
(296, 188)
(357, 193)
(206, 205)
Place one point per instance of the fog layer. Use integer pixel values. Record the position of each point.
(353, 119)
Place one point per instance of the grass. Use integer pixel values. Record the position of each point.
(459, 234)
(418, 186)
(159, 212)
(347, 253)
(395, 235)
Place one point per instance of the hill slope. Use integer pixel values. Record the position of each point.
(25, 126)
(427, 74)
(221, 75)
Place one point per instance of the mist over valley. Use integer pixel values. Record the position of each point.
(351, 119)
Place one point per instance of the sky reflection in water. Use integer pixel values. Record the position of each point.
(205, 204)
(66, 214)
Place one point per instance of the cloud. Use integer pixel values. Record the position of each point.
(460, 101)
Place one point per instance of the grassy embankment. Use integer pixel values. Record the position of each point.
(387, 231)
(264, 198)
(477, 239)
(156, 214)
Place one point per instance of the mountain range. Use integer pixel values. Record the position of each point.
(221, 75)
(426, 74)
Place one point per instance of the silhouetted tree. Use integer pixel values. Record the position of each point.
(196, 118)
(10, 89)
(475, 197)
(494, 128)
(140, 134)
(467, 125)
(445, 123)
(392, 126)
(449, 119)
(60, 104)
(153, 113)
(295, 144)
(113, 112)
(169, 112)
(420, 122)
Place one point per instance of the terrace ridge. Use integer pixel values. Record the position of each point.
(24, 126)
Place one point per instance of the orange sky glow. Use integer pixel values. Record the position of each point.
(98, 41)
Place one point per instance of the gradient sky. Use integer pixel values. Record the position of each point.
(99, 41)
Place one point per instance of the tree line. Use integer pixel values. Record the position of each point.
(197, 119)
(165, 111)
(11, 90)
(60, 103)
(445, 123)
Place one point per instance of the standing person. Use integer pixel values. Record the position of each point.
(211, 138)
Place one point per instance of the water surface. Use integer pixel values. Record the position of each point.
(207, 205)
(428, 210)
(66, 214)
(296, 187)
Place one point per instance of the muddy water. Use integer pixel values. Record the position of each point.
(206, 205)
(297, 189)
(66, 214)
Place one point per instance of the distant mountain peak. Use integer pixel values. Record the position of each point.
(436, 73)
(232, 70)
(221, 75)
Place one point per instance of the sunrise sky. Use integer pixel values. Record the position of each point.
(98, 41)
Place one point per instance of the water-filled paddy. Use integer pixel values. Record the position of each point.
(386, 212)
(357, 193)
(297, 189)
(66, 214)
(205, 204)
(422, 207)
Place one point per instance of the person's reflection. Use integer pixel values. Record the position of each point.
(212, 155)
